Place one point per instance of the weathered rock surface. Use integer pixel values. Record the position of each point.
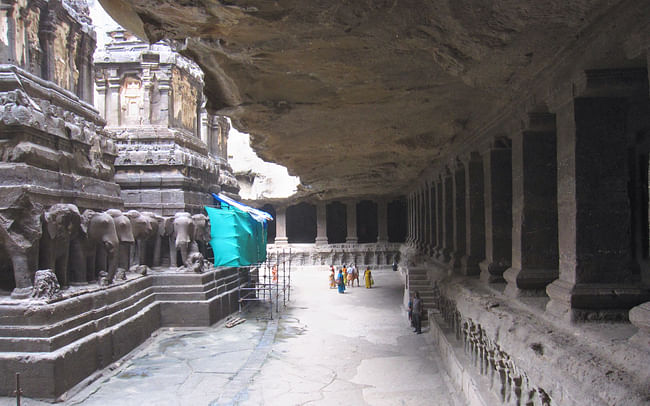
(359, 97)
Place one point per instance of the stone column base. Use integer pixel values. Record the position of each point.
(321, 241)
(444, 255)
(469, 266)
(492, 272)
(593, 302)
(351, 240)
(281, 241)
(528, 282)
(640, 317)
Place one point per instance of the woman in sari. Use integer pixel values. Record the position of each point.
(332, 278)
(341, 282)
(367, 276)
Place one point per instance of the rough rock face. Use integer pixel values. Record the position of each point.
(358, 97)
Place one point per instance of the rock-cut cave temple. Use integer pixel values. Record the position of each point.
(496, 151)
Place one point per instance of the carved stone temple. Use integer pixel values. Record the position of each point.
(102, 239)
(497, 152)
(172, 153)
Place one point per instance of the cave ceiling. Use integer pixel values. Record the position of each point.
(359, 97)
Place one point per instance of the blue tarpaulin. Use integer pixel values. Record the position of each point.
(238, 233)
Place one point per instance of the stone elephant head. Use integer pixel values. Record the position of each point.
(124, 231)
(61, 225)
(123, 225)
(201, 234)
(102, 243)
(201, 227)
(182, 237)
(20, 232)
(143, 230)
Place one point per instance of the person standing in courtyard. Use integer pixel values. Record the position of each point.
(350, 280)
(332, 278)
(341, 282)
(417, 313)
(367, 276)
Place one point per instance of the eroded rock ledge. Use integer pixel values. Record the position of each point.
(360, 97)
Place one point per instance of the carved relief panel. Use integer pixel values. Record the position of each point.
(131, 103)
(185, 101)
(60, 49)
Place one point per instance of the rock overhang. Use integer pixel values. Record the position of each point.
(359, 98)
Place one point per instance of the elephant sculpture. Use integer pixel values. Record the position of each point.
(61, 225)
(201, 234)
(125, 235)
(142, 228)
(150, 243)
(101, 244)
(181, 238)
(161, 253)
(20, 232)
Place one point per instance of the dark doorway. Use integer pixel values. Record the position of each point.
(301, 223)
(367, 221)
(270, 227)
(337, 228)
(397, 220)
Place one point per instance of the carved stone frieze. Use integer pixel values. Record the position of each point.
(507, 379)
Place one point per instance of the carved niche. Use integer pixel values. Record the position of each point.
(131, 101)
(185, 102)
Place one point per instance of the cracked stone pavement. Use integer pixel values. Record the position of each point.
(325, 348)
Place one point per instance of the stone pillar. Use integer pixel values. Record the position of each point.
(422, 214)
(594, 231)
(411, 217)
(408, 219)
(321, 223)
(534, 208)
(351, 214)
(164, 88)
(475, 215)
(439, 216)
(281, 226)
(433, 222)
(382, 221)
(497, 172)
(417, 219)
(459, 215)
(113, 100)
(447, 217)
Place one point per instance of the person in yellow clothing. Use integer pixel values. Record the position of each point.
(367, 276)
(345, 274)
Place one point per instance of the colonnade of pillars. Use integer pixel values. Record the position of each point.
(384, 217)
(549, 208)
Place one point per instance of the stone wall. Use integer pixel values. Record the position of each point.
(57, 343)
(373, 255)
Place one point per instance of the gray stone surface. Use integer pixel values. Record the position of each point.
(325, 349)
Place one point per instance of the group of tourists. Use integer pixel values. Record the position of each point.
(346, 276)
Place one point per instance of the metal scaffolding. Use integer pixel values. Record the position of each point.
(267, 282)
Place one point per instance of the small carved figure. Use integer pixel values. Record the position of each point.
(46, 285)
(195, 263)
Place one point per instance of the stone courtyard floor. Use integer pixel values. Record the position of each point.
(324, 348)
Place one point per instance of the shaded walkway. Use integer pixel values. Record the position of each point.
(325, 349)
